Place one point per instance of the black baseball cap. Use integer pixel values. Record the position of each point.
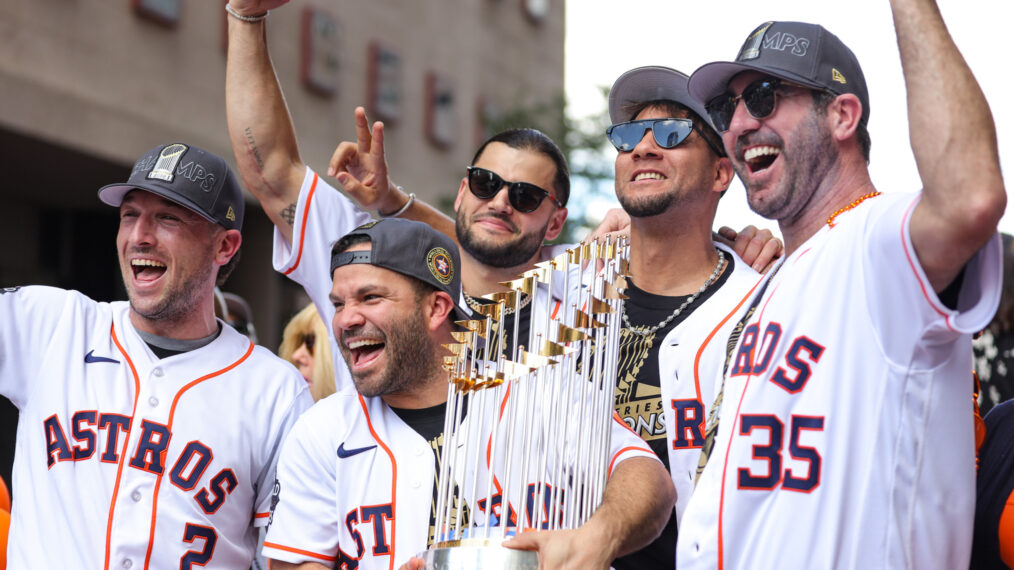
(652, 83)
(803, 53)
(191, 177)
(413, 249)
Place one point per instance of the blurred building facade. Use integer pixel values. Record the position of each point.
(87, 86)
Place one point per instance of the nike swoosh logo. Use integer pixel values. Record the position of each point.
(92, 359)
(343, 453)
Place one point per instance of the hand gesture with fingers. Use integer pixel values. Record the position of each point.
(361, 168)
(758, 248)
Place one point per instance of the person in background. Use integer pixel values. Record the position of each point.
(305, 345)
(993, 349)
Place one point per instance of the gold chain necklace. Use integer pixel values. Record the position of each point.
(856, 202)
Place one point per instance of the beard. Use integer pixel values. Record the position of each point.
(807, 159)
(646, 206)
(410, 354)
(505, 254)
(178, 299)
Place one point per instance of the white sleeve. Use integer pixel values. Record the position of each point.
(31, 317)
(279, 427)
(304, 521)
(901, 298)
(625, 444)
(323, 216)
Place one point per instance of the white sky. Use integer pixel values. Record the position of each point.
(607, 37)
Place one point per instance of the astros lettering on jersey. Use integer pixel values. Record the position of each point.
(845, 438)
(129, 461)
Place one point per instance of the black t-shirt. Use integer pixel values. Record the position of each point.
(639, 394)
(429, 423)
(524, 326)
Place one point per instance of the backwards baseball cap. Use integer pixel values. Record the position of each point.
(651, 83)
(189, 176)
(806, 54)
(413, 249)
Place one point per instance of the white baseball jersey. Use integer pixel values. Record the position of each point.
(129, 461)
(846, 434)
(689, 362)
(355, 484)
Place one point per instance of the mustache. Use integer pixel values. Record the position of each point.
(502, 217)
(363, 331)
(757, 138)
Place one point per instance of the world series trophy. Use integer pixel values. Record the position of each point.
(527, 432)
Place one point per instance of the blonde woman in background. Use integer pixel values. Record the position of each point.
(305, 344)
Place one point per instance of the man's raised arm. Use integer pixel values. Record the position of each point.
(954, 141)
(260, 127)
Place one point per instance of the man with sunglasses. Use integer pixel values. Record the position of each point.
(671, 171)
(845, 433)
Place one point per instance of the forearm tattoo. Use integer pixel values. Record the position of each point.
(252, 147)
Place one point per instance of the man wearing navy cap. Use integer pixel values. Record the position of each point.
(843, 437)
(149, 430)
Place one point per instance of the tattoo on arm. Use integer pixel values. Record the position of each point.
(289, 214)
(254, 151)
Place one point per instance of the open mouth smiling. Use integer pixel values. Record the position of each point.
(758, 158)
(648, 176)
(364, 351)
(147, 269)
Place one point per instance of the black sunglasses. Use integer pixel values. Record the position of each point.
(758, 97)
(668, 133)
(309, 339)
(524, 197)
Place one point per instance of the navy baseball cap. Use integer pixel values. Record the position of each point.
(803, 53)
(652, 83)
(413, 249)
(193, 178)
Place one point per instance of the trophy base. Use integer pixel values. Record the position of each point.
(481, 555)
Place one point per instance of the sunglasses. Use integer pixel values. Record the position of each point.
(758, 97)
(309, 339)
(524, 197)
(668, 133)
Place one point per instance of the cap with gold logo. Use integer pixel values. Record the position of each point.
(191, 177)
(803, 53)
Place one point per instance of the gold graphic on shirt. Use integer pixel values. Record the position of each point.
(638, 403)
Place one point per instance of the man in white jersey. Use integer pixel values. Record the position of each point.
(845, 432)
(671, 171)
(356, 477)
(149, 430)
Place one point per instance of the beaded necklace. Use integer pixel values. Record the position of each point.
(856, 202)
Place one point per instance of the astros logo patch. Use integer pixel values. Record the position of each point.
(438, 260)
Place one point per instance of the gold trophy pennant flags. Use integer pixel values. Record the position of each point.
(456, 348)
(523, 285)
(620, 282)
(568, 334)
(583, 320)
(540, 273)
(550, 348)
(476, 326)
(509, 298)
(598, 306)
(611, 292)
(624, 268)
(561, 262)
(513, 369)
(535, 360)
(493, 311)
(462, 336)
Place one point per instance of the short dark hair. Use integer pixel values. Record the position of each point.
(537, 141)
(823, 99)
(419, 287)
(677, 109)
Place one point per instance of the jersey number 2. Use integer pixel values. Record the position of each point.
(772, 453)
(194, 558)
